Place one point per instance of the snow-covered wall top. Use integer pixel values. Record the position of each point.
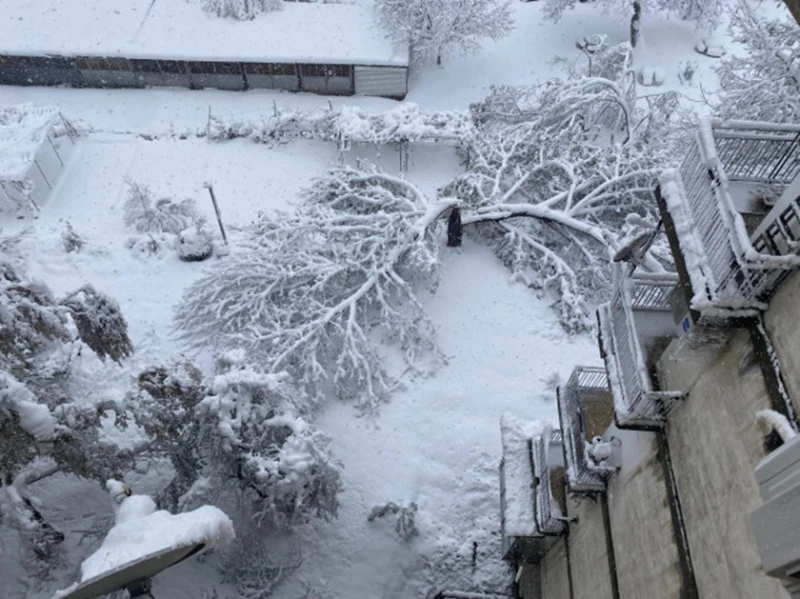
(179, 30)
(23, 129)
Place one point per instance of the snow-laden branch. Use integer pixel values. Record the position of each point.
(561, 166)
(312, 293)
(347, 125)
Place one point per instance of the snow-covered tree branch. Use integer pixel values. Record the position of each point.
(705, 12)
(762, 83)
(559, 167)
(312, 292)
(436, 27)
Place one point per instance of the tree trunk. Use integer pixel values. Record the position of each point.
(636, 22)
(454, 228)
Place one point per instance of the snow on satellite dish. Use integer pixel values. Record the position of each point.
(143, 542)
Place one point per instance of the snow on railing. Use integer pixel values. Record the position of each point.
(587, 383)
(549, 519)
(727, 271)
(636, 403)
(652, 292)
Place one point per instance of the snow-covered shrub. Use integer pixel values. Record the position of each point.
(687, 72)
(194, 245)
(241, 10)
(405, 526)
(762, 82)
(250, 428)
(651, 76)
(100, 323)
(71, 240)
(436, 27)
(143, 214)
(164, 407)
(151, 244)
(311, 292)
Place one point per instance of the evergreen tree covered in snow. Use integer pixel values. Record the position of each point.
(143, 214)
(241, 10)
(705, 12)
(310, 293)
(436, 27)
(763, 82)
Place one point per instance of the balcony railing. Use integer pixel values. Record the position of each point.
(586, 409)
(549, 518)
(727, 270)
(637, 303)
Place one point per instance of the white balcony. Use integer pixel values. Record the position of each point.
(732, 214)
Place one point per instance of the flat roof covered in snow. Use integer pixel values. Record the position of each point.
(182, 30)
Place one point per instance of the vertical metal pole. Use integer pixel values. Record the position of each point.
(216, 211)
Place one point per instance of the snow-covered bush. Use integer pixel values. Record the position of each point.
(100, 323)
(310, 293)
(251, 429)
(405, 525)
(72, 241)
(143, 214)
(241, 10)
(763, 82)
(244, 426)
(194, 245)
(436, 27)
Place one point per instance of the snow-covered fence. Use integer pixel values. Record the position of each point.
(586, 384)
(548, 515)
(636, 403)
(727, 270)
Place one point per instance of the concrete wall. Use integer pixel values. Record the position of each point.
(641, 524)
(781, 324)
(588, 555)
(715, 446)
(554, 573)
(529, 585)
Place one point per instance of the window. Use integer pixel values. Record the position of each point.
(172, 67)
(227, 68)
(313, 70)
(145, 66)
(201, 68)
(339, 70)
(266, 68)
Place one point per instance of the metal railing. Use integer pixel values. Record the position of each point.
(636, 403)
(652, 292)
(549, 521)
(735, 273)
(587, 383)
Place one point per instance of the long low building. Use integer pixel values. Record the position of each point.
(312, 47)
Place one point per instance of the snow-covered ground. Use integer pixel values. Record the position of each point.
(437, 443)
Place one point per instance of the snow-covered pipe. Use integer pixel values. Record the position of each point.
(769, 420)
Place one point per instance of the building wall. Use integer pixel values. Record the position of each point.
(641, 524)
(780, 321)
(555, 573)
(715, 445)
(529, 585)
(588, 555)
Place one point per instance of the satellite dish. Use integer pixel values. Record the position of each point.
(134, 576)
